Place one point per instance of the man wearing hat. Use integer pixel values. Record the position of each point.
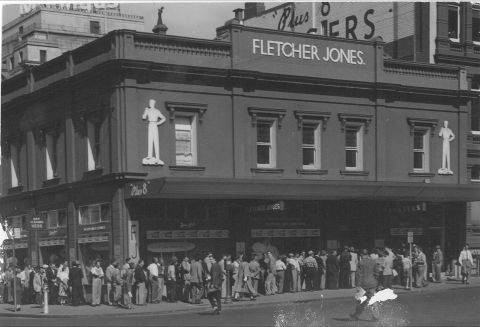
(437, 263)
(311, 268)
(75, 277)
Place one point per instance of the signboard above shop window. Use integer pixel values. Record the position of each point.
(186, 234)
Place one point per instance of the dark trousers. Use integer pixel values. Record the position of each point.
(172, 291)
(197, 291)
(309, 278)
(215, 299)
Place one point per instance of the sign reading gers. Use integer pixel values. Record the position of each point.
(307, 52)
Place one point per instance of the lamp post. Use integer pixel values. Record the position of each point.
(10, 234)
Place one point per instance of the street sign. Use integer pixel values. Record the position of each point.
(37, 223)
(410, 237)
(17, 232)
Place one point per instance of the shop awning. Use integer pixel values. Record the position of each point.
(192, 188)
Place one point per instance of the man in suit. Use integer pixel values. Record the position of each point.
(214, 289)
(196, 279)
(367, 279)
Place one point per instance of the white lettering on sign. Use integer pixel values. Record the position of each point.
(138, 190)
(307, 52)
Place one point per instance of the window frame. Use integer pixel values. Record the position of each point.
(15, 164)
(428, 125)
(359, 148)
(43, 52)
(89, 208)
(94, 144)
(476, 167)
(476, 9)
(192, 117)
(45, 215)
(317, 139)
(51, 155)
(272, 152)
(426, 150)
(450, 6)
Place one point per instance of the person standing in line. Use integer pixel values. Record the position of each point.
(186, 277)
(466, 260)
(153, 278)
(323, 256)
(333, 270)
(437, 264)
(353, 266)
(311, 267)
(280, 268)
(367, 279)
(420, 264)
(97, 278)
(18, 288)
(108, 281)
(51, 276)
(301, 262)
(299, 272)
(62, 281)
(196, 279)
(161, 279)
(140, 281)
(294, 271)
(319, 272)
(116, 285)
(127, 274)
(214, 289)
(75, 277)
(172, 281)
(38, 285)
(344, 264)
(387, 270)
(407, 271)
(30, 287)
(126, 265)
(27, 294)
(254, 267)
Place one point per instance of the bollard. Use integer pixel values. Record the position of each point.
(45, 302)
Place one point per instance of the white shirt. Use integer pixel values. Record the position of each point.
(294, 262)
(353, 261)
(153, 269)
(279, 265)
(465, 255)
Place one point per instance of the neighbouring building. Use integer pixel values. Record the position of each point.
(141, 145)
(44, 32)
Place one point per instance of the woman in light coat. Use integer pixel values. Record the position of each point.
(97, 279)
(243, 283)
(466, 260)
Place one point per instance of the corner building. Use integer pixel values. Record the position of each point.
(258, 150)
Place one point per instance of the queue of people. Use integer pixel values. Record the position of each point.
(209, 277)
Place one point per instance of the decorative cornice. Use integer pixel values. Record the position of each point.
(422, 122)
(312, 115)
(358, 118)
(173, 107)
(255, 112)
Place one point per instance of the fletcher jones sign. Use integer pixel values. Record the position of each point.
(307, 52)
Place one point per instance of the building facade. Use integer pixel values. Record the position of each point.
(137, 145)
(44, 32)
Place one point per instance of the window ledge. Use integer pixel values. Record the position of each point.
(354, 172)
(420, 174)
(93, 173)
(267, 170)
(51, 182)
(16, 189)
(312, 171)
(187, 168)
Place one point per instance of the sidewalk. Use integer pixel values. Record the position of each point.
(58, 311)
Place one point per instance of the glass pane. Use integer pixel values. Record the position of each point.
(453, 23)
(476, 174)
(84, 217)
(263, 154)
(62, 218)
(418, 160)
(351, 137)
(52, 219)
(183, 124)
(94, 214)
(351, 158)
(476, 26)
(308, 135)
(263, 132)
(184, 159)
(308, 157)
(418, 140)
(105, 212)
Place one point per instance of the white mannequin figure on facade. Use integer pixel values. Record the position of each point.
(448, 136)
(155, 119)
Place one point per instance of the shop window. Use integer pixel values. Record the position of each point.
(311, 146)
(476, 25)
(94, 27)
(15, 167)
(266, 144)
(17, 222)
(185, 141)
(454, 23)
(94, 213)
(55, 218)
(51, 154)
(94, 144)
(353, 147)
(475, 173)
(420, 150)
(43, 56)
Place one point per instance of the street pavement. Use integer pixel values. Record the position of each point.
(446, 304)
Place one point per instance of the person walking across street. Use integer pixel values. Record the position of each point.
(437, 264)
(466, 260)
(367, 280)
(214, 288)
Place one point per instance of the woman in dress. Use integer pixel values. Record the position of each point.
(140, 280)
(466, 260)
(332, 271)
(243, 284)
(62, 281)
(97, 279)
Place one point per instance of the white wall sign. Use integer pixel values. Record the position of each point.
(133, 232)
(155, 118)
(186, 234)
(448, 136)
